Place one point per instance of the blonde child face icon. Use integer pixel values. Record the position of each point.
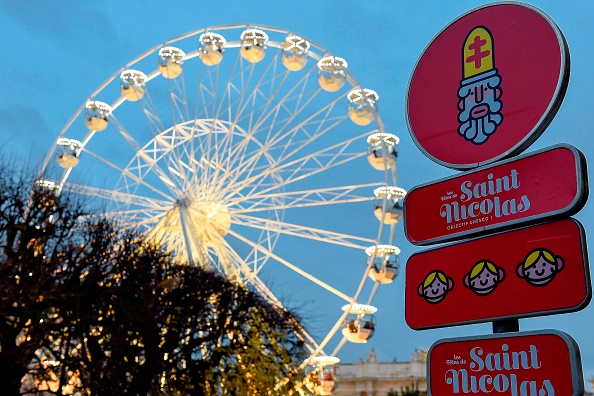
(435, 287)
(484, 277)
(540, 267)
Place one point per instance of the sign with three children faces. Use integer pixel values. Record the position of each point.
(532, 271)
(483, 90)
(538, 363)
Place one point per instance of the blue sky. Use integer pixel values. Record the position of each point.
(55, 53)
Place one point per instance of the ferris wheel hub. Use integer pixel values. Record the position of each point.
(206, 217)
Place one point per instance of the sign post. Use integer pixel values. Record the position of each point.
(483, 90)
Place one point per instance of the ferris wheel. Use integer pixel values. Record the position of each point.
(253, 152)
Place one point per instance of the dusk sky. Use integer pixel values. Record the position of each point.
(56, 53)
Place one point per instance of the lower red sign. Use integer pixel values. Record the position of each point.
(532, 271)
(538, 363)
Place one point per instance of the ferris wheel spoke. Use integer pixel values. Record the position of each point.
(171, 148)
(200, 128)
(267, 239)
(248, 101)
(140, 224)
(268, 295)
(128, 174)
(248, 273)
(222, 179)
(150, 113)
(234, 90)
(205, 93)
(179, 107)
(118, 196)
(266, 113)
(323, 157)
(177, 155)
(293, 146)
(262, 112)
(238, 106)
(292, 267)
(177, 99)
(294, 96)
(308, 167)
(321, 121)
(133, 213)
(202, 106)
(340, 345)
(298, 169)
(307, 198)
(217, 153)
(302, 231)
(283, 140)
(151, 161)
(153, 120)
(195, 238)
(276, 136)
(298, 172)
(224, 255)
(156, 127)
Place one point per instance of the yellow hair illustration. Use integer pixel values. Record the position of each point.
(478, 268)
(537, 254)
(431, 277)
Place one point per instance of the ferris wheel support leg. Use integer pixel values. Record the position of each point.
(189, 233)
(373, 292)
(339, 346)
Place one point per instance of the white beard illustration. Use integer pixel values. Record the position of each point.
(480, 107)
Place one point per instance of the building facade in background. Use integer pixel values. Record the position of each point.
(373, 378)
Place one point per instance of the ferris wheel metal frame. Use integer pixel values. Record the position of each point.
(229, 159)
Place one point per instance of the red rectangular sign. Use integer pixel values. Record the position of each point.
(545, 184)
(536, 363)
(532, 271)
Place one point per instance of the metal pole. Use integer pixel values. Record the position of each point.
(506, 326)
(184, 216)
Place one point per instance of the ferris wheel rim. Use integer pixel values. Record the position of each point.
(192, 33)
(318, 347)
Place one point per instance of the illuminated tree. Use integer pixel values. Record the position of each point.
(408, 391)
(88, 309)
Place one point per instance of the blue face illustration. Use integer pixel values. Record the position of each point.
(480, 108)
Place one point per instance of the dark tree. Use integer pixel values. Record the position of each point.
(87, 308)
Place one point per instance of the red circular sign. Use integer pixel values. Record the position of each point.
(487, 86)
